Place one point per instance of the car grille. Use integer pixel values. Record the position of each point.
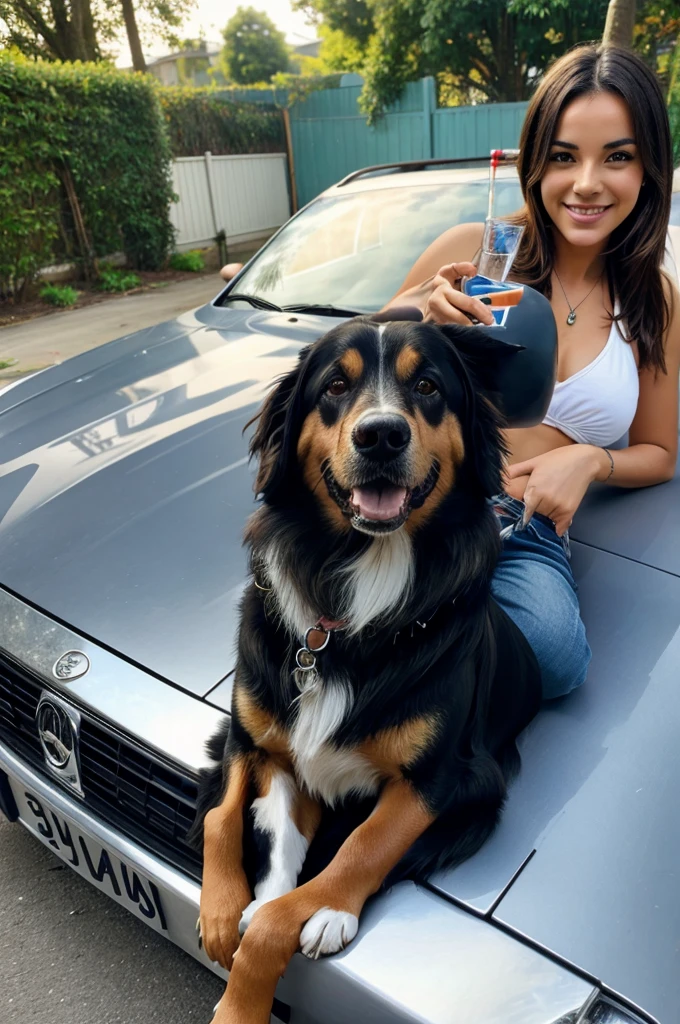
(135, 792)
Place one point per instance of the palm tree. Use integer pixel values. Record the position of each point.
(618, 28)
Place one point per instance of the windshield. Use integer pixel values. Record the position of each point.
(354, 251)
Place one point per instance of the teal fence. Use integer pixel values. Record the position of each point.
(331, 137)
(276, 96)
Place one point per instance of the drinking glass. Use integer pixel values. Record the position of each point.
(494, 261)
(499, 248)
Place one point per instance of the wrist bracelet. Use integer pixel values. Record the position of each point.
(611, 461)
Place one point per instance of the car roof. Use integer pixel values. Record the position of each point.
(398, 176)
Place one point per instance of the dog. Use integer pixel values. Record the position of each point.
(379, 689)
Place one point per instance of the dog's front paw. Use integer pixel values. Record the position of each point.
(328, 931)
(217, 926)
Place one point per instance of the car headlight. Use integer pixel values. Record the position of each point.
(601, 1011)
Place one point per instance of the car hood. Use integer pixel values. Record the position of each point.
(590, 830)
(125, 485)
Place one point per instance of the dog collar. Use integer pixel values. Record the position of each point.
(316, 639)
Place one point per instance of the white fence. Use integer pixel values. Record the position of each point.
(245, 196)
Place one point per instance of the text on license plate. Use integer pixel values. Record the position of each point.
(92, 860)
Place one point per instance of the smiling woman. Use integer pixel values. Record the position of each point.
(595, 169)
(596, 165)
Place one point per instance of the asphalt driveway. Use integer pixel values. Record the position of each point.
(53, 338)
(70, 955)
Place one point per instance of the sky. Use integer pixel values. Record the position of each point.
(210, 16)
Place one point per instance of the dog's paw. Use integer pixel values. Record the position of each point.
(327, 931)
(248, 914)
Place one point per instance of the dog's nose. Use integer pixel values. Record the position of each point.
(381, 437)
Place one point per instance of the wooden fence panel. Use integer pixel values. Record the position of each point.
(245, 195)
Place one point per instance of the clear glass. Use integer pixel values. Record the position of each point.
(499, 248)
(354, 251)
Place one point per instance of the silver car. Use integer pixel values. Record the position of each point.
(124, 488)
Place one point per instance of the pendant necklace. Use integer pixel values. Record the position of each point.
(571, 319)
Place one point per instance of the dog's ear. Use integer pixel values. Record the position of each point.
(485, 354)
(488, 448)
(483, 357)
(278, 424)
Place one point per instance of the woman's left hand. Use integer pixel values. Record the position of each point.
(554, 483)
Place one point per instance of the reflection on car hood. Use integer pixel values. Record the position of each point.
(125, 486)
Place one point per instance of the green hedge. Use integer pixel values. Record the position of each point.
(674, 116)
(198, 120)
(674, 102)
(104, 128)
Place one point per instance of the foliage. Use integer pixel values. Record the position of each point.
(655, 33)
(674, 103)
(50, 29)
(112, 280)
(204, 119)
(296, 88)
(100, 129)
(351, 18)
(338, 51)
(254, 49)
(479, 48)
(82, 29)
(191, 261)
(59, 295)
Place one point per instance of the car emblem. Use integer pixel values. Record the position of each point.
(58, 727)
(71, 665)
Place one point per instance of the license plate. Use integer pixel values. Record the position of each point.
(90, 859)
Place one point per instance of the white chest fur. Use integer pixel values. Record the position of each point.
(327, 771)
(376, 584)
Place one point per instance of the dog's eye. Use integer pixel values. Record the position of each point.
(425, 386)
(337, 386)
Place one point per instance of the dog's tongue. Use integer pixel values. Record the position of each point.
(380, 503)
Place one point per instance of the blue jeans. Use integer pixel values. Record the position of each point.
(534, 585)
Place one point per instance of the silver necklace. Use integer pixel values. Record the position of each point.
(571, 319)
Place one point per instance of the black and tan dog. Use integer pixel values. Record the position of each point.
(379, 690)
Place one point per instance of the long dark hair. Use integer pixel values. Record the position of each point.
(636, 248)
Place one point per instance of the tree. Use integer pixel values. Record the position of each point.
(254, 49)
(339, 52)
(489, 48)
(51, 28)
(620, 22)
(135, 43)
(353, 18)
(71, 30)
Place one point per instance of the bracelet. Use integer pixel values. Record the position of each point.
(611, 461)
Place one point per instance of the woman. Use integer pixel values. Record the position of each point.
(595, 168)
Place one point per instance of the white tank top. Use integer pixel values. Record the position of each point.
(597, 405)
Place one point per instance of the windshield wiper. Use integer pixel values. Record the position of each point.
(254, 300)
(321, 309)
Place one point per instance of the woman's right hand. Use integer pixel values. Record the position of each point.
(447, 304)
